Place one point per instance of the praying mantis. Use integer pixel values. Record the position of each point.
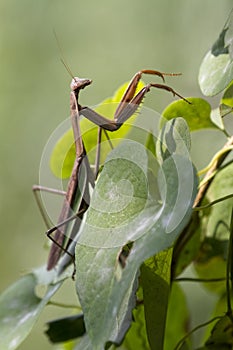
(126, 108)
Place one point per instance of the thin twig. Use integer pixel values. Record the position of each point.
(203, 280)
(209, 205)
(66, 306)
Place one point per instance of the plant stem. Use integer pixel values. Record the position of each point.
(66, 306)
(205, 280)
(209, 205)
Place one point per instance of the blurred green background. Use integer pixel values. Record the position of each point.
(106, 41)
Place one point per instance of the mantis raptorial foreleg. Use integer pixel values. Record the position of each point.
(129, 102)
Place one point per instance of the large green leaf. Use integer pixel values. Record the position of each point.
(177, 318)
(124, 209)
(136, 338)
(155, 280)
(63, 155)
(20, 308)
(216, 70)
(196, 114)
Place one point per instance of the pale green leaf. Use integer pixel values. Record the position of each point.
(215, 73)
(216, 117)
(122, 210)
(20, 309)
(216, 70)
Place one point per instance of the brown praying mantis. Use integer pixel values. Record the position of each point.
(126, 108)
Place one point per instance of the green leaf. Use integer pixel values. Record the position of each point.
(151, 143)
(225, 110)
(227, 98)
(177, 322)
(215, 73)
(16, 303)
(155, 279)
(20, 309)
(185, 256)
(63, 154)
(215, 267)
(222, 334)
(211, 263)
(219, 218)
(123, 210)
(219, 309)
(216, 70)
(216, 117)
(67, 328)
(196, 114)
(136, 338)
